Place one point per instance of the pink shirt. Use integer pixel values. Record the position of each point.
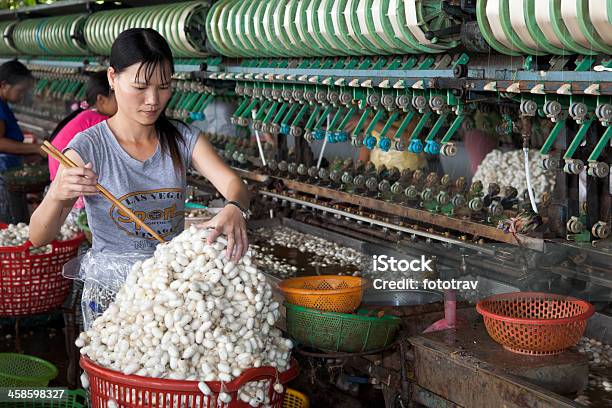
(79, 123)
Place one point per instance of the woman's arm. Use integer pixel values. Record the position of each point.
(13, 147)
(208, 163)
(68, 185)
(230, 220)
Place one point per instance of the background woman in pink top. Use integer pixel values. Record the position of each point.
(99, 105)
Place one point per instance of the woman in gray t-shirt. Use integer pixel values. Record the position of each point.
(141, 157)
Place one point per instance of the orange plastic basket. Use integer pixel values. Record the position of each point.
(134, 391)
(33, 283)
(329, 293)
(295, 399)
(535, 323)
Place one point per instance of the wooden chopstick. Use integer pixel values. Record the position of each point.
(67, 162)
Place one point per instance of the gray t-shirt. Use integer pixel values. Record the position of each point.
(152, 189)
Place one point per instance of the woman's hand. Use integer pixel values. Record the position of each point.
(231, 223)
(71, 183)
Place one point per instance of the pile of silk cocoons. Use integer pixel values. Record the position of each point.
(508, 169)
(188, 313)
(17, 234)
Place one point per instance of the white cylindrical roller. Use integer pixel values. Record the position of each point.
(288, 20)
(600, 18)
(277, 19)
(519, 24)
(351, 20)
(323, 7)
(393, 16)
(311, 14)
(249, 30)
(377, 16)
(544, 19)
(495, 22)
(258, 17)
(239, 27)
(300, 24)
(362, 8)
(336, 15)
(569, 12)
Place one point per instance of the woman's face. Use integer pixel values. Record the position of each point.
(14, 93)
(138, 99)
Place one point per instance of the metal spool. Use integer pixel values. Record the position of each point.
(335, 176)
(475, 204)
(411, 192)
(573, 166)
(495, 209)
(51, 36)
(384, 186)
(448, 149)
(400, 146)
(359, 180)
(601, 230)
(333, 97)
(298, 94)
(296, 131)
(529, 107)
(287, 94)
(292, 168)
(323, 174)
(388, 101)
(308, 136)
(184, 25)
(578, 110)
(402, 101)
(442, 198)
(427, 194)
(574, 225)
(347, 177)
(437, 103)
(599, 169)
(313, 172)
(458, 201)
(552, 109)
(372, 184)
(282, 166)
(396, 188)
(272, 165)
(419, 102)
(345, 98)
(604, 112)
(550, 163)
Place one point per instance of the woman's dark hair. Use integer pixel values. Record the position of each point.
(97, 84)
(13, 72)
(147, 47)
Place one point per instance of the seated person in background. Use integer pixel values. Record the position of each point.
(99, 105)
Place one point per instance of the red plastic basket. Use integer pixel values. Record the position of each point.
(535, 323)
(133, 391)
(33, 283)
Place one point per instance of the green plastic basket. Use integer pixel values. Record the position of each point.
(19, 370)
(72, 399)
(333, 331)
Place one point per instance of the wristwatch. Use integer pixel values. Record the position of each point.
(246, 213)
